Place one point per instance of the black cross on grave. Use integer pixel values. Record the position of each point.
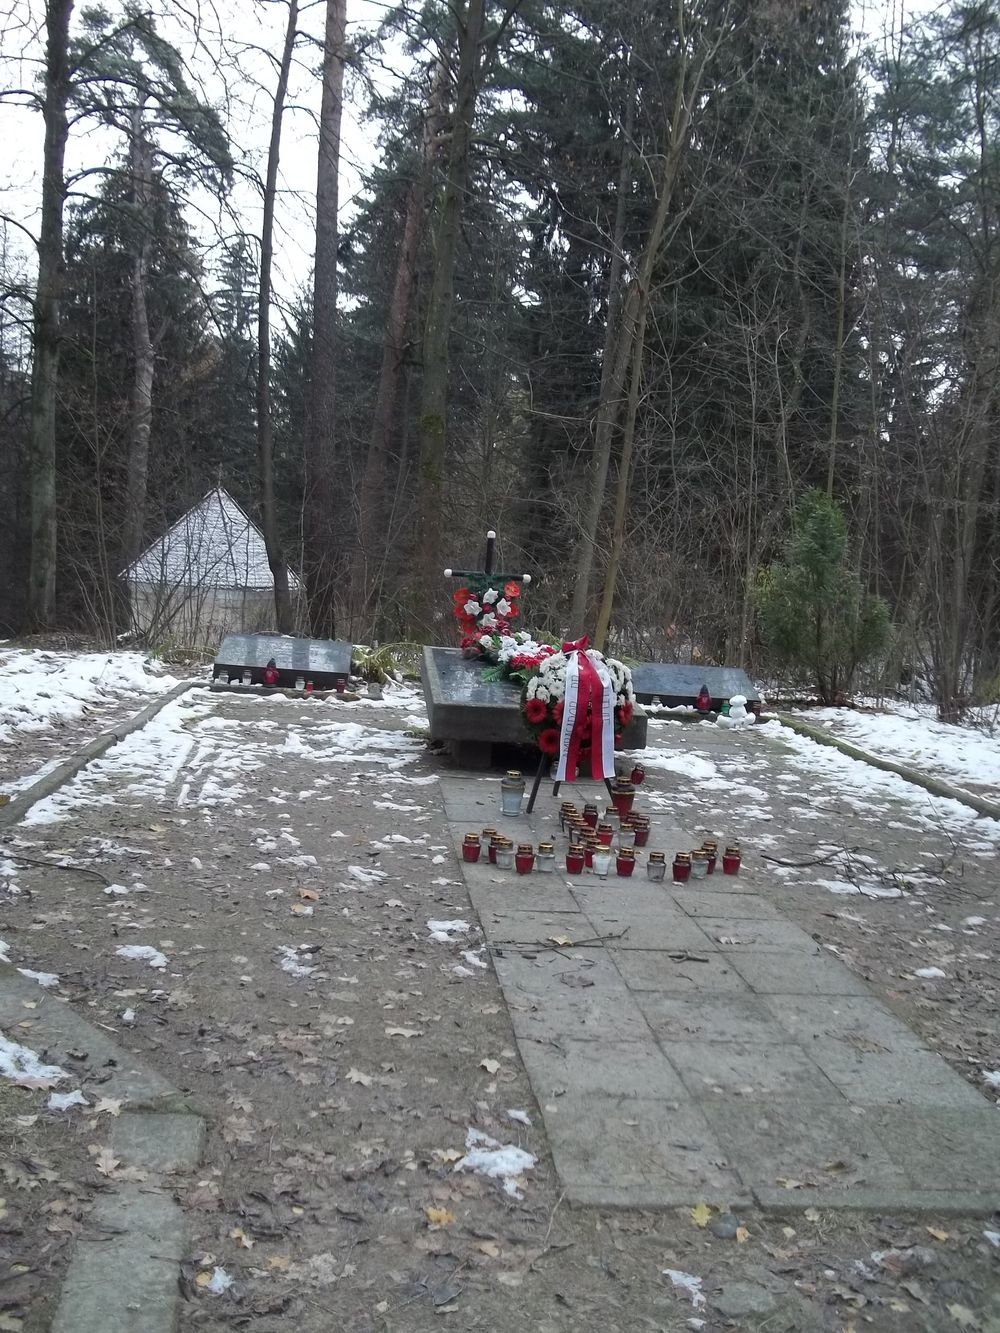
(487, 572)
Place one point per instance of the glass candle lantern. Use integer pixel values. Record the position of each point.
(612, 817)
(575, 860)
(699, 864)
(590, 815)
(505, 854)
(625, 861)
(471, 847)
(638, 775)
(546, 859)
(627, 836)
(511, 793)
(566, 811)
(682, 867)
(656, 867)
(300, 682)
(602, 861)
(731, 860)
(711, 850)
(605, 833)
(588, 854)
(641, 827)
(524, 858)
(623, 798)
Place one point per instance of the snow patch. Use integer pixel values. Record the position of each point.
(143, 953)
(487, 1157)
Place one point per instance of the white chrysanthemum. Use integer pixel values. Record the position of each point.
(490, 596)
(486, 640)
(472, 607)
(542, 692)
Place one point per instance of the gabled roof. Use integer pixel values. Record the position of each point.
(213, 545)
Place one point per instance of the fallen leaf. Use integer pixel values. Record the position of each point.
(490, 1248)
(403, 1032)
(438, 1217)
(281, 1263)
(447, 1154)
(106, 1162)
(309, 895)
(742, 1235)
(701, 1214)
(108, 1106)
(356, 1076)
(937, 1234)
(241, 1238)
(811, 1214)
(963, 1316)
(491, 1066)
(560, 939)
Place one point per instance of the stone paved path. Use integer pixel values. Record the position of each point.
(766, 1073)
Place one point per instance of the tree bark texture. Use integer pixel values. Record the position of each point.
(322, 516)
(371, 513)
(137, 466)
(434, 396)
(265, 421)
(46, 317)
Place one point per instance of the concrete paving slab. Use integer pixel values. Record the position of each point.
(710, 1019)
(642, 1144)
(158, 1142)
(123, 1274)
(909, 1077)
(663, 930)
(625, 1069)
(618, 895)
(860, 1021)
(823, 1145)
(751, 1073)
(796, 974)
(552, 998)
(509, 893)
(721, 903)
(859, 1199)
(953, 1149)
(520, 926)
(654, 969)
(740, 935)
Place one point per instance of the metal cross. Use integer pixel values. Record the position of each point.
(487, 571)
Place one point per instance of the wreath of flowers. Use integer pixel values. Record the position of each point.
(543, 700)
(482, 609)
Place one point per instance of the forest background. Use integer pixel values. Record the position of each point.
(623, 281)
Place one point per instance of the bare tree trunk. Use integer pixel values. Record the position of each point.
(265, 420)
(137, 466)
(45, 329)
(633, 330)
(434, 396)
(321, 536)
(371, 518)
(613, 368)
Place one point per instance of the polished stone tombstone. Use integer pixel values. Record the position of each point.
(675, 685)
(472, 715)
(323, 661)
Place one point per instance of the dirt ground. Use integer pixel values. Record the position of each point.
(339, 1099)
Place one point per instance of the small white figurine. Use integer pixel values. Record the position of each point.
(738, 717)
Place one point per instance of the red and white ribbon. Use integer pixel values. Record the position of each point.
(589, 703)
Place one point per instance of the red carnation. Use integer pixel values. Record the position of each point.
(558, 710)
(535, 711)
(461, 596)
(512, 612)
(624, 712)
(511, 590)
(548, 740)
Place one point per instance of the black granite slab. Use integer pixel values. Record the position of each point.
(323, 661)
(464, 708)
(675, 684)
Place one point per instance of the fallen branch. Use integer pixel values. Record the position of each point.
(52, 865)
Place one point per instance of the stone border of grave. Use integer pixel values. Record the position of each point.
(933, 785)
(18, 806)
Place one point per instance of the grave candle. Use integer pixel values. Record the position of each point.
(524, 858)
(471, 847)
(682, 867)
(575, 860)
(656, 867)
(711, 850)
(731, 860)
(546, 859)
(511, 793)
(602, 861)
(625, 861)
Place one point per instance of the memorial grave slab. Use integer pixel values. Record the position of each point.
(472, 714)
(323, 661)
(675, 685)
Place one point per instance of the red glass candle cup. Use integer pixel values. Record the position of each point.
(712, 850)
(341, 685)
(641, 833)
(524, 858)
(682, 867)
(625, 861)
(731, 861)
(574, 861)
(604, 834)
(492, 852)
(588, 855)
(623, 798)
(471, 847)
(590, 815)
(638, 775)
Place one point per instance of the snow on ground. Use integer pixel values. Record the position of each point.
(39, 688)
(910, 735)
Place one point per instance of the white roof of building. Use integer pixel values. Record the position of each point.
(213, 545)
